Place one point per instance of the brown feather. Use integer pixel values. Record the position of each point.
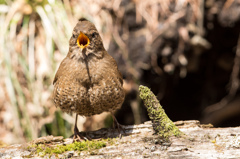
(88, 81)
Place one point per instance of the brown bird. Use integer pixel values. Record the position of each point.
(88, 81)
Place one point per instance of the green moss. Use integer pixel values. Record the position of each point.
(49, 150)
(162, 125)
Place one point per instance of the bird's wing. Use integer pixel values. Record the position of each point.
(59, 71)
(113, 64)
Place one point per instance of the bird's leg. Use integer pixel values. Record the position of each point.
(119, 126)
(77, 136)
(76, 131)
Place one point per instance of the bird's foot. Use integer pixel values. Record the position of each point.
(77, 137)
(118, 126)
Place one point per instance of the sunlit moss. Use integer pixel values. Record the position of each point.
(46, 150)
(162, 125)
(2, 144)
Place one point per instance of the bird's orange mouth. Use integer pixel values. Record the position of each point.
(83, 41)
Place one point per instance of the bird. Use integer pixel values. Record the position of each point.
(88, 80)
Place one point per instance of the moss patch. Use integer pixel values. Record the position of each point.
(49, 150)
(2, 144)
(162, 125)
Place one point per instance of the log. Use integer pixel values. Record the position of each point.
(199, 141)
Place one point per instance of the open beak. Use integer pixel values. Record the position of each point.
(82, 41)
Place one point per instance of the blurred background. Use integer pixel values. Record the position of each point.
(186, 51)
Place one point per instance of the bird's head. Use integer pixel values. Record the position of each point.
(85, 40)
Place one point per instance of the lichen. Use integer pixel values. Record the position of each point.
(162, 125)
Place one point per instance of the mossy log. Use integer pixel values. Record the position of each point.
(201, 141)
(162, 125)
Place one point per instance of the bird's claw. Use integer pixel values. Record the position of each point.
(118, 126)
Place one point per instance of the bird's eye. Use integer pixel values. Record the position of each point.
(93, 35)
(73, 35)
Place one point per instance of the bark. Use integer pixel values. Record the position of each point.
(199, 141)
